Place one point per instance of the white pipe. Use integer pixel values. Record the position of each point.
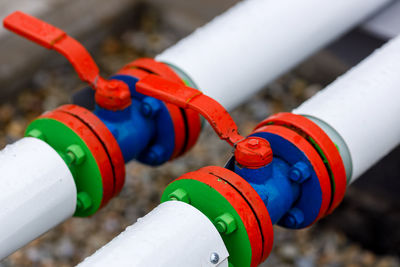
(386, 24)
(37, 192)
(363, 107)
(254, 42)
(173, 234)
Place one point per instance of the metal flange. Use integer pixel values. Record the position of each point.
(228, 196)
(84, 154)
(315, 194)
(187, 124)
(107, 140)
(321, 142)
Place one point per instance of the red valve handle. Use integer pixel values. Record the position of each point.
(249, 152)
(190, 98)
(109, 94)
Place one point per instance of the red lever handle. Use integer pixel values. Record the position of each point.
(187, 97)
(110, 94)
(250, 152)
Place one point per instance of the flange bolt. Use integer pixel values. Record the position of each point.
(293, 218)
(84, 201)
(253, 152)
(36, 134)
(299, 172)
(225, 223)
(76, 154)
(180, 195)
(150, 107)
(155, 154)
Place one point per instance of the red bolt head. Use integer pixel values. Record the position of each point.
(112, 95)
(253, 143)
(112, 85)
(253, 152)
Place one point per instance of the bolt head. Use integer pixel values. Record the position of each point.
(84, 201)
(253, 143)
(295, 175)
(180, 194)
(112, 85)
(294, 218)
(299, 172)
(253, 152)
(146, 109)
(221, 227)
(214, 258)
(155, 154)
(36, 134)
(225, 223)
(150, 107)
(78, 153)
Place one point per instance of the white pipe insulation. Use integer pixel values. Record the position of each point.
(362, 108)
(229, 59)
(242, 50)
(173, 234)
(37, 192)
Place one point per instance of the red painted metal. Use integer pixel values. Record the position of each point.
(194, 128)
(192, 121)
(222, 123)
(254, 201)
(113, 95)
(95, 146)
(253, 152)
(241, 206)
(309, 129)
(138, 73)
(312, 155)
(107, 139)
(186, 97)
(185, 137)
(152, 66)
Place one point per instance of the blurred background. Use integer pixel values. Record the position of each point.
(363, 231)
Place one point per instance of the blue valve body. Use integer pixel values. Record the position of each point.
(289, 186)
(144, 130)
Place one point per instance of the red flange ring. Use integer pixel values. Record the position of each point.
(335, 165)
(108, 141)
(152, 66)
(95, 146)
(318, 165)
(174, 111)
(193, 130)
(253, 199)
(239, 203)
(186, 137)
(132, 71)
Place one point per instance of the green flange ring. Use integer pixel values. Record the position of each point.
(212, 204)
(87, 175)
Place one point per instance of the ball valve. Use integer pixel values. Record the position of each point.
(124, 125)
(287, 171)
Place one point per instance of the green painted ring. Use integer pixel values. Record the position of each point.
(87, 175)
(212, 204)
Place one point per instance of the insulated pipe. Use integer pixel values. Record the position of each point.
(173, 234)
(242, 50)
(216, 41)
(37, 192)
(360, 110)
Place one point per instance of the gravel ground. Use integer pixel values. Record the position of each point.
(77, 238)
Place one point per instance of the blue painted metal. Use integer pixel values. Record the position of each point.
(273, 185)
(144, 130)
(288, 185)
